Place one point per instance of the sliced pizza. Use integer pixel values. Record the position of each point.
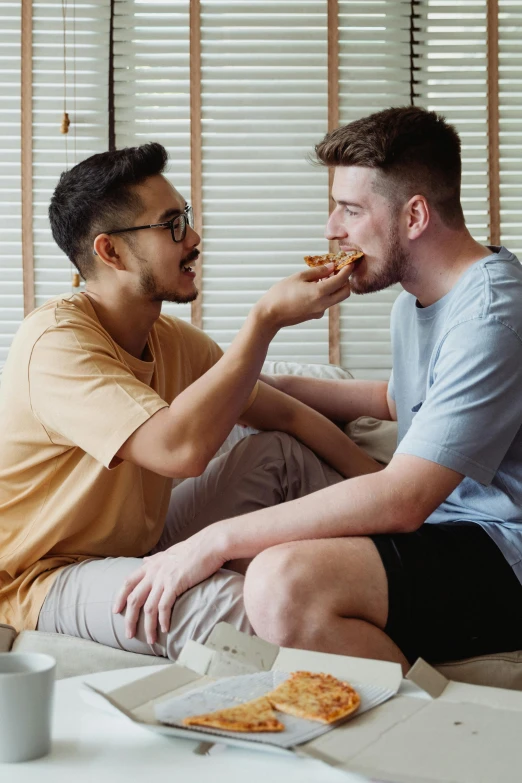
(339, 259)
(319, 697)
(255, 715)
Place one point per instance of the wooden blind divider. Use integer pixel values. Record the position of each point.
(27, 155)
(195, 148)
(334, 313)
(493, 125)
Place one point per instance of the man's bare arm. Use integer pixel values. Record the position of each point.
(180, 440)
(397, 499)
(273, 410)
(338, 400)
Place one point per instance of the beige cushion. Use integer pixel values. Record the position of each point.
(501, 670)
(377, 438)
(80, 656)
(308, 370)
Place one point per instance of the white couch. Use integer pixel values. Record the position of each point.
(80, 656)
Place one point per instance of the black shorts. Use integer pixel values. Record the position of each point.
(452, 593)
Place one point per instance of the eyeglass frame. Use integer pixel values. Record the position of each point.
(187, 218)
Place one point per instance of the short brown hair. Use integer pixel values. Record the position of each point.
(98, 195)
(416, 152)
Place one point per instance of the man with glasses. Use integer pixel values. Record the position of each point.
(105, 401)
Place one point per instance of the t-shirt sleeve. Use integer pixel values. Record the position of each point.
(84, 395)
(391, 387)
(472, 408)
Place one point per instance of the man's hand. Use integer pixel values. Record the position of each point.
(163, 577)
(294, 299)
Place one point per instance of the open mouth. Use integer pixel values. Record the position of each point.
(186, 265)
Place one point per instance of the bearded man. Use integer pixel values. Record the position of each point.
(423, 558)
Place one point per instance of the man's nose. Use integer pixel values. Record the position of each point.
(193, 237)
(334, 227)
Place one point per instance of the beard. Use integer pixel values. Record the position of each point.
(150, 288)
(396, 268)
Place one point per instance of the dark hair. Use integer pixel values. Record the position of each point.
(416, 152)
(97, 195)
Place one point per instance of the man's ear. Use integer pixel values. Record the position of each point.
(105, 249)
(418, 216)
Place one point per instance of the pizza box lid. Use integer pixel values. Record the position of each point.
(434, 730)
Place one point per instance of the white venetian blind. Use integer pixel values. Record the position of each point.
(87, 25)
(510, 100)
(152, 87)
(374, 73)
(11, 290)
(264, 106)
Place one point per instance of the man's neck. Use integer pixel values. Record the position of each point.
(439, 264)
(128, 321)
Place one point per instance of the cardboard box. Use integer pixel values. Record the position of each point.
(437, 732)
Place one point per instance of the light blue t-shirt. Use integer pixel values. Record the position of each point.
(457, 384)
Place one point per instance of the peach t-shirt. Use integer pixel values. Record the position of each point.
(69, 398)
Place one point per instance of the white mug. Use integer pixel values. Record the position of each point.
(26, 695)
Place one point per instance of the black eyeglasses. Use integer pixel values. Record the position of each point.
(177, 225)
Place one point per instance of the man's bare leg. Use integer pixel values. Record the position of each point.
(326, 595)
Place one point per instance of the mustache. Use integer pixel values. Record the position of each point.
(192, 256)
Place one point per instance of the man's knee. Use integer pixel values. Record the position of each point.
(277, 595)
(294, 591)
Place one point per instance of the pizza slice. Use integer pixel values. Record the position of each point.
(319, 697)
(340, 259)
(255, 715)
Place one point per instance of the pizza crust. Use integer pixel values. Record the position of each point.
(252, 716)
(339, 259)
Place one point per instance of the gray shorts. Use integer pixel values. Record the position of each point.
(260, 471)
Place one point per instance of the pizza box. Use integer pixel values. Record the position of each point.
(432, 730)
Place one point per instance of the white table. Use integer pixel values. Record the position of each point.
(98, 747)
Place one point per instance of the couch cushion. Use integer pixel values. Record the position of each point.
(377, 438)
(308, 370)
(500, 670)
(81, 656)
